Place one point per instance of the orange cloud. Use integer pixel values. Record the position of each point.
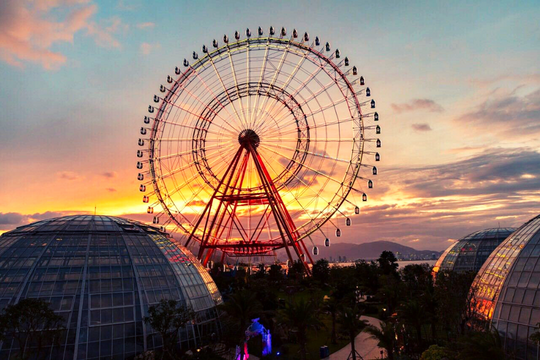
(27, 31)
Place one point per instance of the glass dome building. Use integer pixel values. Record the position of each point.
(470, 253)
(102, 273)
(507, 289)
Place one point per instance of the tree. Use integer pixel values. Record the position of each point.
(167, 318)
(350, 323)
(241, 307)
(436, 352)
(481, 346)
(411, 314)
(388, 263)
(321, 271)
(332, 306)
(385, 335)
(535, 336)
(301, 315)
(31, 322)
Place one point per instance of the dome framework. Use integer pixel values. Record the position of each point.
(507, 291)
(470, 252)
(101, 274)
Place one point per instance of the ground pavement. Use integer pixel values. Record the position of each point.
(366, 347)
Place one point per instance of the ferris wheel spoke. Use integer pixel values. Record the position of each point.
(233, 71)
(226, 91)
(315, 154)
(205, 105)
(180, 154)
(261, 78)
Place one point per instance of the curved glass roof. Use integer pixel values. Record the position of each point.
(507, 289)
(101, 273)
(470, 252)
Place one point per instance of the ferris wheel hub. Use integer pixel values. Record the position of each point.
(249, 137)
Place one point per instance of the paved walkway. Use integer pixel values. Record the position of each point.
(365, 346)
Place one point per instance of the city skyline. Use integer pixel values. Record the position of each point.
(457, 89)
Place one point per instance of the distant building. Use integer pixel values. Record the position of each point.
(101, 274)
(507, 290)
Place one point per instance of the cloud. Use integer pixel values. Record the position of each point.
(109, 174)
(146, 25)
(68, 175)
(146, 48)
(11, 220)
(111, 189)
(421, 127)
(28, 30)
(418, 104)
(506, 114)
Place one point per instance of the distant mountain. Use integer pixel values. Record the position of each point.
(372, 250)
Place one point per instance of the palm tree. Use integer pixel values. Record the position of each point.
(241, 307)
(411, 314)
(301, 315)
(350, 323)
(332, 306)
(385, 335)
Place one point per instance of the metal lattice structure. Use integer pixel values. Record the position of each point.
(257, 143)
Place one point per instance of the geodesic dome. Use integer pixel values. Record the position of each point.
(470, 252)
(102, 273)
(507, 289)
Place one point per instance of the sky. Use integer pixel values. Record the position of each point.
(457, 87)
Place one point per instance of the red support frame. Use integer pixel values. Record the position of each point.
(220, 216)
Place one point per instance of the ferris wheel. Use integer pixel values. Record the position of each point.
(256, 143)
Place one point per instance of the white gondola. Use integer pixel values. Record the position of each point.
(140, 153)
(272, 30)
(204, 49)
(150, 210)
(237, 35)
(368, 92)
(156, 99)
(177, 71)
(338, 232)
(357, 210)
(150, 109)
(327, 46)
(294, 33)
(378, 143)
(140, 176)
(141, 142)
(195, 56)
(355, 72)
(156, 220)
(377, 157)
(283, 31)
(215, 43)
(362, 82)
(139, 165)
(317, 41)
(306, 37)
(145, 199)
(142, 188)
(162, 88)
(376, 116)
(315, 251)
(338, 54)
(260, 31)
(348, 222)
(143, 131)
(364, 197)
(225, 39)
(374, 170)
(169, 79)
(370, 184)
(346, 61)
(186, 63)
(248, 33)
(378, 130)
(373, 104)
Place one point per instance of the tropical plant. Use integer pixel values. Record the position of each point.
(351, 323)
(481, 346)
(300, 316)
(332, 306)
(33, 325)
(385, 336)
(167, 318)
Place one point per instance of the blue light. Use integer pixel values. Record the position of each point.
(278, 353)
